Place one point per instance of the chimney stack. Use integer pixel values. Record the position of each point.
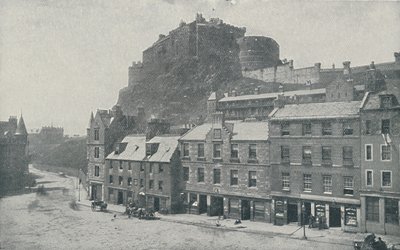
(346, 68)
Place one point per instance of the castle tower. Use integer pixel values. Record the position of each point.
(20, 133)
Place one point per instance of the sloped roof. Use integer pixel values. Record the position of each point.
(392, 88)
(166, 148)
(254, 131)
(197, 133)
(135, 149)
(273, 95)
(317, 110)
(21, 129)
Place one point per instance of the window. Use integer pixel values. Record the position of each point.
(386, 102)
(111, 179)
(217, 150)
(96, 152)
(160, 168)
(120, 165)
(285, 128)
(368, 127)
(392, 211)
(151, 167)
(200, 175)
(350, 216)
(327, 183)
(141, 183)
(151, 148)
(372, 205)
(326, 128)
(386, 178)
(285, 154)
(347, 155)
(369, 174)
(253, 151)
(386, 126)
(306, 154)
(286, 181)
(252, 179)
(96, 134)
(217, 133)
(151, 184)
(111, 164)
(129, 181)
(141, 167)
(368, 152)
(160, 185)
(96, 171)
(217, 176)
(120, 180)
(234, 177)
(386, 153)
(348, 186)
(234, 151)
(185, 174)
(347, 128)
(200, 150)
(307, 128)
(129, 165)
(307, 183)
(185, 149)
(326, 153)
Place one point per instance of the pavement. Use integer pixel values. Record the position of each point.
(292, 231)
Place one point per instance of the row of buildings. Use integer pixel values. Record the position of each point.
(279, 157)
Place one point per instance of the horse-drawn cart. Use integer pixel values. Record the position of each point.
(102, 205)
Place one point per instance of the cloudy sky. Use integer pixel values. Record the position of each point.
(60, 59)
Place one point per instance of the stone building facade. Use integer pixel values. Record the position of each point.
(14, 158)
(226, 169)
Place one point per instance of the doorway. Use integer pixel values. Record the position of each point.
(334, 217)
(245, 210)
(202, 204)
(94, 192)
(120, 198)
(217, 206)
(307, 213)
(156, 204)
(292, 215)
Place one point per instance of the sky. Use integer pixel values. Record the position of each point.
(62, 59)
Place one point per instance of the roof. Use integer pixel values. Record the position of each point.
(166, 148)
(273, 95)
(392, 88)
(318, 110)
(135, 149)
(21, 129)
(241, 131)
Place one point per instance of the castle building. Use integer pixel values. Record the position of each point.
(380, 172)
(315, 162)
(51, 135)
(147, 172)
(226, 169)
(14, 157)
(105, 129)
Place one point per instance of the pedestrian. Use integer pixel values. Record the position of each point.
(310, 221)
(320, 223)
(380, 244)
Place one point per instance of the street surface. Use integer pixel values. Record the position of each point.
(31, 221)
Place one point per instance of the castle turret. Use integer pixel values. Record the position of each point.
(257, 52)
(21, 129)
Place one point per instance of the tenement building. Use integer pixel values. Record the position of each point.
(315, 163)
(226, 169)
(147, 172)
(380, 172)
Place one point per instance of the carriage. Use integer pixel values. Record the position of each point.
(102, 205)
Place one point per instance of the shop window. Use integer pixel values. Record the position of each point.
(217, 176)
(96, 171)
(151, 184)
(326, 128)
(200, 175)
(285, 153)
(96, 152)
(252, 179)
(368, 152)
(372, 207)
(217, 150)
(253, 151)
(369, 178)
(347, 128)
(285, 128)
(386, 178)
(350, 216)
(185, 174)
(286, 181)
(348, 186)
(385, 126)
(217, 133)
(234, 151)
(185, 149)
(129, 181)
(234, 177)
(386, 152)
(200, 150)
(96, 134)
(327, 183)
(307, 183)
(392, 211)
(120, 180)
(307, 128)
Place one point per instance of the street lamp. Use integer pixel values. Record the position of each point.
(303, 210)
(79, 185)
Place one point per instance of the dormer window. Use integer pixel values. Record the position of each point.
(151, 148)
(217, 133)
(386, 102)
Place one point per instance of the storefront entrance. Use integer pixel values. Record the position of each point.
(217, 206)
(245, 210)
(334, 217)
(156, 204)
(120, 198)
(202, 204)
(292, 214)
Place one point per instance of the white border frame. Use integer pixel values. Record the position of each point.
(391, 178)
(372, 152)
(391, 154)
(366, 177)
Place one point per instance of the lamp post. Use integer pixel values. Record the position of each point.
(303, 210)
(79, 185)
